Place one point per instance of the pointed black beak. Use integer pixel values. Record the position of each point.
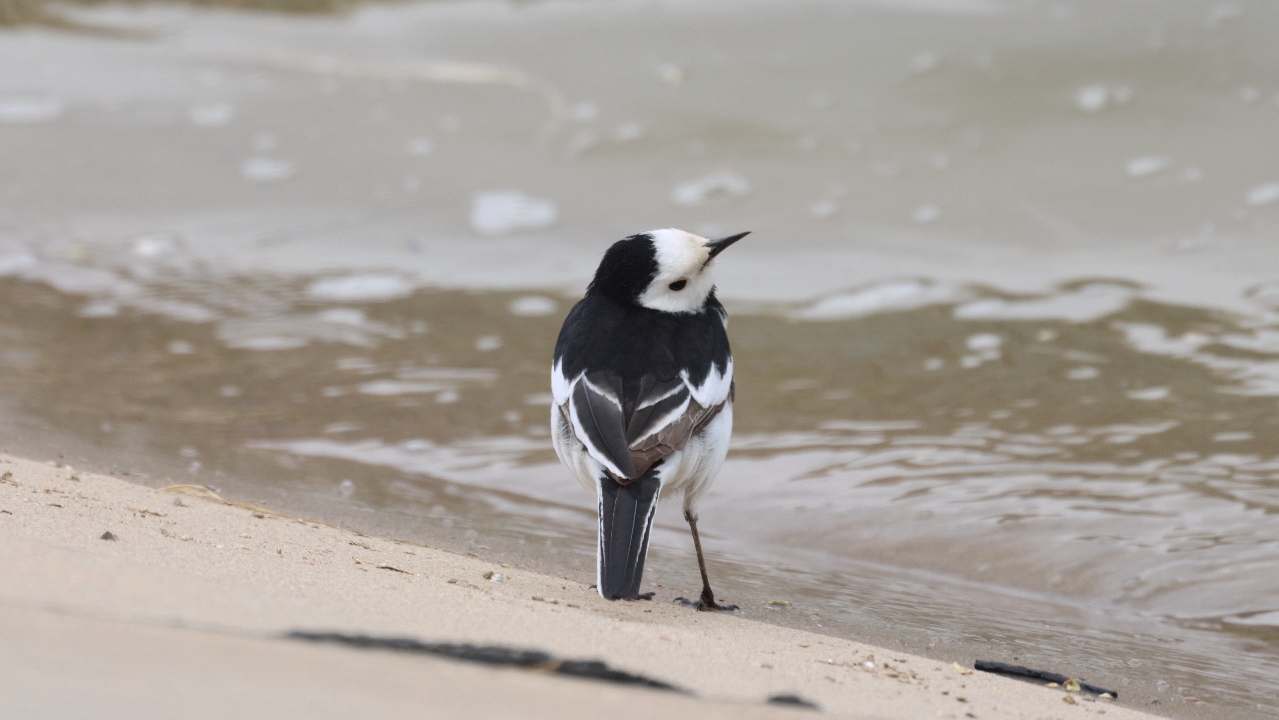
(718, 246)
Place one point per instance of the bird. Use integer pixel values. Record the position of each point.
(642, 381)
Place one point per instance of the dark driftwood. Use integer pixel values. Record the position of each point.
(793, 700)
(1020, 671)
(488, 655)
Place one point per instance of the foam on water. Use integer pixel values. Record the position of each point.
(16, 263)
(1085, 304)
(878, 298)
(720, 184)
(1092, 98)
(346, 489)
(628, 132)
(420, 146)
(401, 387)
(823, 208)
(76, 279)
(533, 306)
(501, 212)
(1252, 376)
(28, 109)
(925, 214)
(925, 62)
(1263, 194)
(1218, 13)
(100, 309)
(1095, 97)
(984, 342)
(488, 343)
(1148, 165)
(584, 111)
(1151, 393)
(154, 245)
(266, 169)
(211, 115)
(342, 316)
(287, 332)
(369, 287)
(1083, 373)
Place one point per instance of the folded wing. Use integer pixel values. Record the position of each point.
(629, 432)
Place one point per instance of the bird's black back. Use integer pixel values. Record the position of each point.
(633, 342)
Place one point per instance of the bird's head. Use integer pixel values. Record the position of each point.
(665, 270)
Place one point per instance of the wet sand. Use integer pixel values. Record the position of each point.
(182, 611)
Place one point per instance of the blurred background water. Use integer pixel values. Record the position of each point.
(1007, 329)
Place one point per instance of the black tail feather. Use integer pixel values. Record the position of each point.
(626, 516)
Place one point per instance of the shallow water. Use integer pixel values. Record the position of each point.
(1006, 335)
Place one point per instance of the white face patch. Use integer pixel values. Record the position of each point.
(681, 257)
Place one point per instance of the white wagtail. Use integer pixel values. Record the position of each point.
(643, 387)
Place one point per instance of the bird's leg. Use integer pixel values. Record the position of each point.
(707, 601)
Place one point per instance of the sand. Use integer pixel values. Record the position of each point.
(182, 615)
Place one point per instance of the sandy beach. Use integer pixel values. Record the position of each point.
(184, 613)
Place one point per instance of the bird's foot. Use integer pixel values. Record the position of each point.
(705, 603)
(641, 596)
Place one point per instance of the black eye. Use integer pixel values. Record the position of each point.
(678, 285)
